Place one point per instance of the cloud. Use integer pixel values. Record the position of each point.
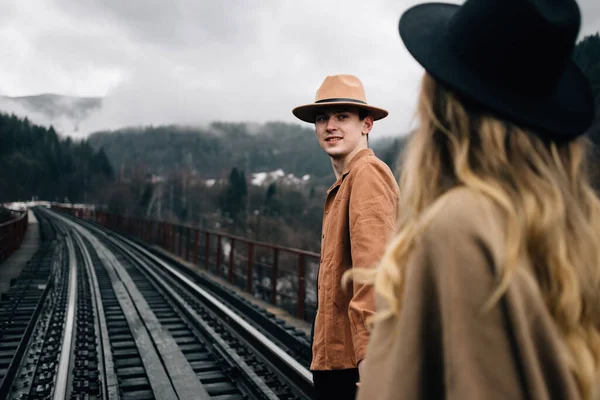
(64, 125)
(189, 61)
(590, 17)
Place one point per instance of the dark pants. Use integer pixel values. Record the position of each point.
(337, 384)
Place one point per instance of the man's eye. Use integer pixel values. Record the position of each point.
(320, 118)
(343, 116)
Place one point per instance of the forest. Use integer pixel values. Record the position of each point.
(37, 163)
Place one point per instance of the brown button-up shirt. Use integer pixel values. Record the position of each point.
(360, 216)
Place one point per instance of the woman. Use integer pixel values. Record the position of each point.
(491, 288)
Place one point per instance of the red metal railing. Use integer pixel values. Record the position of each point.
(283, 276)
(12, 233)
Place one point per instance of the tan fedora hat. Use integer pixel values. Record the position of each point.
(336, 90)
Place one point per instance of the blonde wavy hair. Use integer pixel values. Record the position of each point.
(542, 187)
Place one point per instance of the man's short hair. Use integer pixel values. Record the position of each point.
(362, 113)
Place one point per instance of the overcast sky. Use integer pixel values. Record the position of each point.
(194, 61)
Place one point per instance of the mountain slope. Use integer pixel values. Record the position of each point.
(214, 150)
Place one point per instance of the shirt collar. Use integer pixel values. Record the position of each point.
(361, 154)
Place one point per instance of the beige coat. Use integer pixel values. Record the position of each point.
(359, 218)
(443, 346)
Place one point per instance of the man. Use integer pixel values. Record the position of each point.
(360, 215)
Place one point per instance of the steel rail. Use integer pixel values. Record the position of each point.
(105, 359)
(63, 372)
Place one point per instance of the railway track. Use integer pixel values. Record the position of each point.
(114, 321)
(24, 305)
(290, 339)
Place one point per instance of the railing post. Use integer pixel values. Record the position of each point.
(187, 243)
(172, 232)
(196, 234)
(301, 288)
(274, 278)
(206, 250)
(165, 236)
(218, 253)
(249, 269)
(180, 231)
(231, 260)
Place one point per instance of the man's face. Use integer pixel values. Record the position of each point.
(341, 131)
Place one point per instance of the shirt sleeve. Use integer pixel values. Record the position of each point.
(443, 344)
(373, 210)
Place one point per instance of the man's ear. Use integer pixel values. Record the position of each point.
(367, 125)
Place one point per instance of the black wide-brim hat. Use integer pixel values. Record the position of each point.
(511, 56)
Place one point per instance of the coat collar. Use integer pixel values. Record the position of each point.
(361, 154)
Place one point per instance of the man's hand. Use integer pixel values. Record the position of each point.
(361, 367)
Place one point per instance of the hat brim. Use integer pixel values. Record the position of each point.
(307, 112)
(563, 114)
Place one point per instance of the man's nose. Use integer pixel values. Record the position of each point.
(331, 125)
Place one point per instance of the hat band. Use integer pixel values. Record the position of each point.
(340, 99)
